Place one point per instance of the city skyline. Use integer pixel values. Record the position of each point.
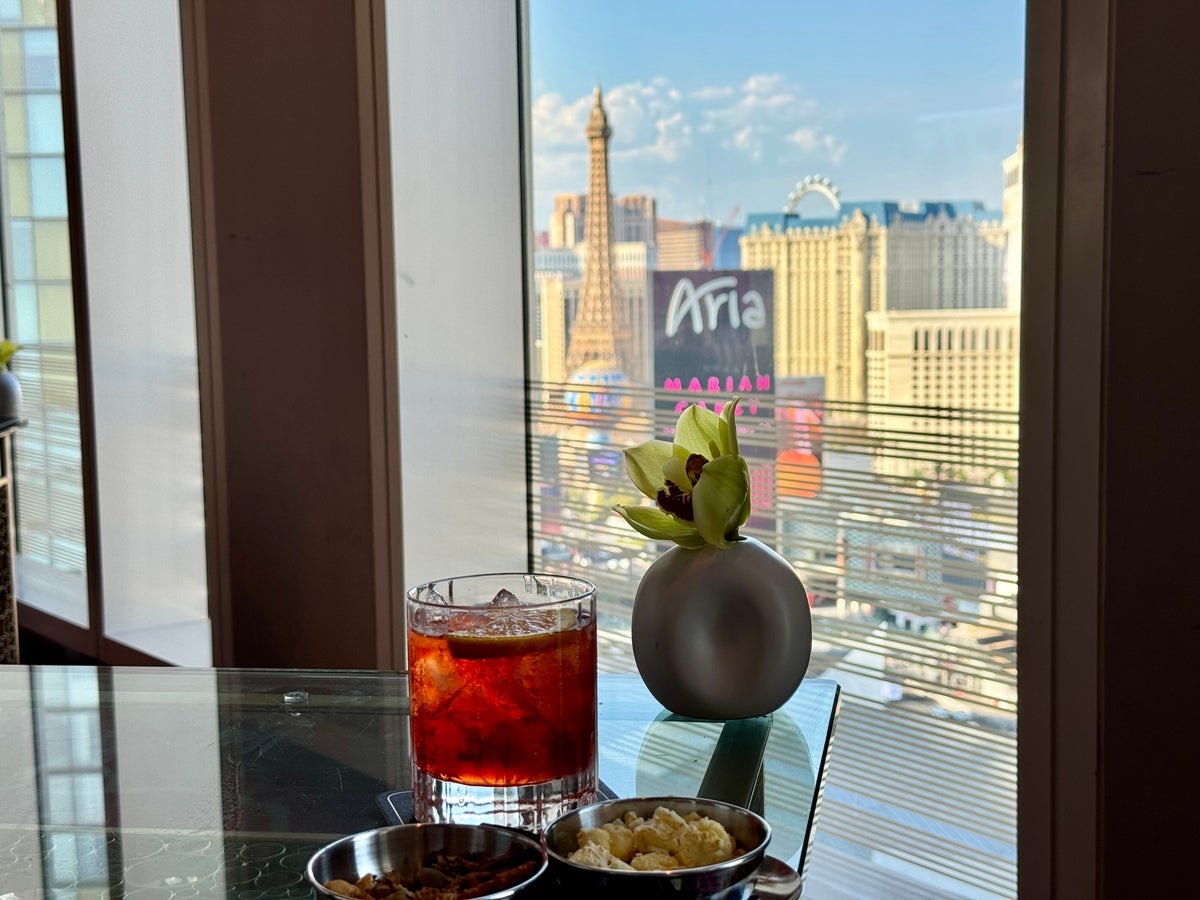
(713, 110)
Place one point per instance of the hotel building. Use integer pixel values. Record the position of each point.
(873, 257)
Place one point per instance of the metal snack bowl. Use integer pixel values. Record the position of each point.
(721, 881)
(405, 848)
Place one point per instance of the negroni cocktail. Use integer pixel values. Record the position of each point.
(502, 681)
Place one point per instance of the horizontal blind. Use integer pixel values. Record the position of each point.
(908, 549)
(51, 564)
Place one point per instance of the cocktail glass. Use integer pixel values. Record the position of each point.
(502, 681)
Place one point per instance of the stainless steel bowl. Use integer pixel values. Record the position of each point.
(405, 848)
(730, 879)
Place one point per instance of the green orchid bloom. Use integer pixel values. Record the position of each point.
(700, 483)
(7, 349)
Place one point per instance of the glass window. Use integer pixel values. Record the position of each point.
(910, 528)
(20, 190)
(41, 59)
(16, 127)
(141, 260)
(53, 249)
(49, 183)
(56, 316)
(39, 311)
(45, 124)
(22, 249)
(25, 313)
(12, 59)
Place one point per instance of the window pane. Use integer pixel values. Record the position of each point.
(56, 318)
(462, 366)
(41, 59)
(52, 246)
(142, 320)
(51, 561)
(22, 250)
(16, 128)
(880, 207)
(20, 193)
(12, 59)
(39, 12)
(49, 181)
(45, 124)
(25, 314)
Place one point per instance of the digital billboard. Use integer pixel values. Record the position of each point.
(800, 414)
(714, 337)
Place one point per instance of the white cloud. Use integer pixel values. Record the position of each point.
(647, 120)
(813, 140)
(657, 130)
(748, 141)
(673, 135)
(711, 93)
(764, 84)
(558, 122)
(805, 138)
(765, 109)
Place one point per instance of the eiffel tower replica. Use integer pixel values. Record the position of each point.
(601, 330)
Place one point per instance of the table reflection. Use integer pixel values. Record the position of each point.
(202, 783)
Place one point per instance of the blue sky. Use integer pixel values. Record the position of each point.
(717, 105)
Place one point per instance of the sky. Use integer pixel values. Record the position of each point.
(723, 106)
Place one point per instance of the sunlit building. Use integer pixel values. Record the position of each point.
(948, 372)
(634, 219)
(681, 245)
(1014, 186)
(923, 362)
(870, 257)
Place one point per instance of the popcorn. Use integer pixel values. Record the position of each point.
(597, 857)
(620, 839)
(654, 860)
(596, 837)
(661, 833)
(665, 841)
(703, 842)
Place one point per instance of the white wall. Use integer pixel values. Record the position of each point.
(455, 133)
(143, 331)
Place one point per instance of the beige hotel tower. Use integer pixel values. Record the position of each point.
(901, 306)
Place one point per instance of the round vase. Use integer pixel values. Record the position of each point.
(10, 396)
(722, 633)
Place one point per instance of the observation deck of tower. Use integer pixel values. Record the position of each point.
(598, 334)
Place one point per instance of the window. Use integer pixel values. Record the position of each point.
(39, 315)
(918, 489)
(138, 305)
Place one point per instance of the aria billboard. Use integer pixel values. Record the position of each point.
(714, 337)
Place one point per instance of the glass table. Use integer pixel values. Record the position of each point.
(172, 784)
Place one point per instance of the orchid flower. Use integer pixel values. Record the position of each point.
(699, 483)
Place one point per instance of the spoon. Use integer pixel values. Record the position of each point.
(775, 880)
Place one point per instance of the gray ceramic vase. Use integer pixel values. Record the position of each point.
(722, 633)
(10, 396)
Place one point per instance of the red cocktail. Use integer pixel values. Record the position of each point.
(502, 681)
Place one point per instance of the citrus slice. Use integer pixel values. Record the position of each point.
(484, 646)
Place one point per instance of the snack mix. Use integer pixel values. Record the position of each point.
(665, 841)
(443, 877)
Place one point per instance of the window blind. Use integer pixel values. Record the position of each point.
(908, 550)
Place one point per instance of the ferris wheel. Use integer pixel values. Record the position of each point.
(813, 184)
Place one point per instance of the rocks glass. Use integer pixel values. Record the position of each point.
(502, 680)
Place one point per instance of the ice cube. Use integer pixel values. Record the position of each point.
(428, 618)
(505, 597)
